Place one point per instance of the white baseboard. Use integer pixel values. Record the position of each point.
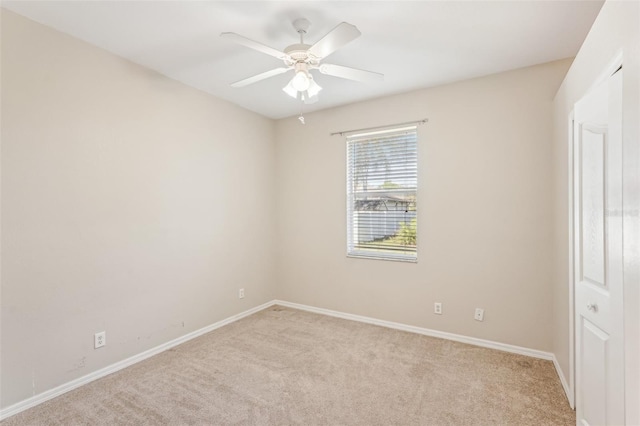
(66, 387)
(424, 331)
(565, 385)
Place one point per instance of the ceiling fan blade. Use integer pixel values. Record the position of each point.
(261, 76)
(342, 34)
(350, 73)
(254, 45)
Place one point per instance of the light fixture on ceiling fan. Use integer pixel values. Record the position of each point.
(302, 85)
(302, 58)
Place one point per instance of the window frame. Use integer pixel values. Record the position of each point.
(353, 250)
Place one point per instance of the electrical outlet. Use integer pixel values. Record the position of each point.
(241, 293)
(99, 339)
(479, 316)
(437, 308)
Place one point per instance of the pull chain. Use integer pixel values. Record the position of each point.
(301, 117)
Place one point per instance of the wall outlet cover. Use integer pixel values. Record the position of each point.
(99, 339)
(479, 315)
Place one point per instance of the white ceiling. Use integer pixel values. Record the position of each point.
(415, 44)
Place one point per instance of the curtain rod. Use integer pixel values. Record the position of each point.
(341, 133)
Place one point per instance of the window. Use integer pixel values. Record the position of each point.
(382, 181)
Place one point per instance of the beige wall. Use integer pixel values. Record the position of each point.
(130, 203)
(615, 30)
(484, 201)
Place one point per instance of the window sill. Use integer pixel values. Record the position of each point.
(374, 257)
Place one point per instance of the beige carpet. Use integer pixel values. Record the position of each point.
(283, 366)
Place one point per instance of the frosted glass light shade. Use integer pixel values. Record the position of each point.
(300, 81)
(314, 88)
(290, 90)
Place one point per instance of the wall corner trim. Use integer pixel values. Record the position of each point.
(69, 386)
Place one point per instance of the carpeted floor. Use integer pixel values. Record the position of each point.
(283, 366)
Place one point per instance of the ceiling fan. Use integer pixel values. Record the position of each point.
(302, 58)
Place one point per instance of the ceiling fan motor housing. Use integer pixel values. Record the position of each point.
(300, 53)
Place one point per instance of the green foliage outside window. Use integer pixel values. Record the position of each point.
(407, 233)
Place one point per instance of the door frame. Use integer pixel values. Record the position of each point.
(613, 65)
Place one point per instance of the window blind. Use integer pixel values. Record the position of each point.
(382, 183)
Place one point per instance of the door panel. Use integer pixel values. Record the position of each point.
(598, 256)
(593, 372)
(593, 141)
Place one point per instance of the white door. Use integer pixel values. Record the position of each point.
(598, 255)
